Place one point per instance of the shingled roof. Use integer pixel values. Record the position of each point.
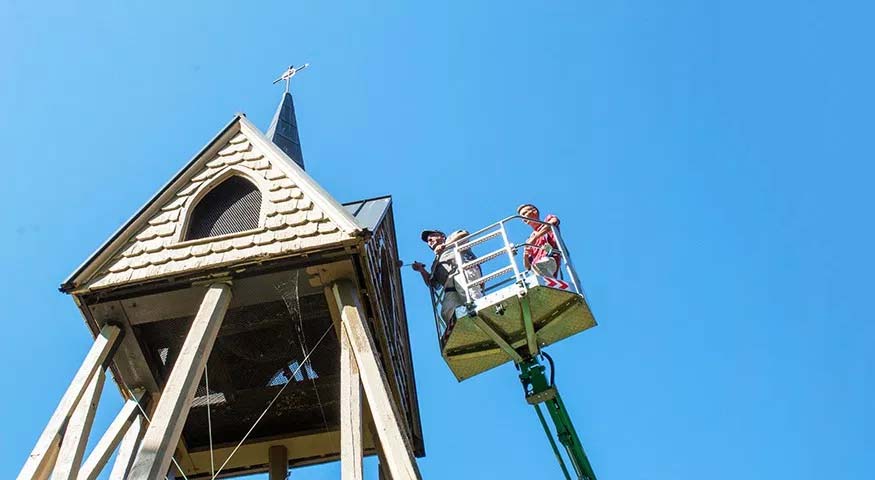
(297, 215)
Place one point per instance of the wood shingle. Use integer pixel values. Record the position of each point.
(296, 215)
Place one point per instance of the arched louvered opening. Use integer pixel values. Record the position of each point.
(233, 206)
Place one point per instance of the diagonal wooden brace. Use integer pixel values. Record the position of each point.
(78, 430)
(128, 449)
(111, 439)
(162, 436)
(387, 419)
(42, 459)
(351, 448)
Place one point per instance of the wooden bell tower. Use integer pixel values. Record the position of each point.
(251, 322)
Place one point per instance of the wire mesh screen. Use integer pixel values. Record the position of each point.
(260, 349)
(233, 206)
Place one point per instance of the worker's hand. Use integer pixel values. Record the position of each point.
(540, 232)
(419, 267)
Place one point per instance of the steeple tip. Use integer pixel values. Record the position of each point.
(283, 130)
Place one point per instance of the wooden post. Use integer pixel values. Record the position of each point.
(42, 459)
(110, 439)
(162, 436)
(351, 449)
(387, 420)
(278, 456)
(382, 472)
(78, 430)
(127, 450)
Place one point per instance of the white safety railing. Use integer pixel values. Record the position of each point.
(492, 258)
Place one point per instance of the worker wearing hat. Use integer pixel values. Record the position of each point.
(542, 247)
(443, 276)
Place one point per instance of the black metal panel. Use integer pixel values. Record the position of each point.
(283, 131)
(233, 206)
(369, 213)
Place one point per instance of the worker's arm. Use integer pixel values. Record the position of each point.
(540, 232)
(551, 220)
(426, 276)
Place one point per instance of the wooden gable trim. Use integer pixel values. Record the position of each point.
(239, 125)
(119, 238)
(305, 182)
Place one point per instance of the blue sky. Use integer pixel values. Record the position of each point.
(711, 163)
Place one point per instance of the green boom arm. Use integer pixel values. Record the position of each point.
(539, 390)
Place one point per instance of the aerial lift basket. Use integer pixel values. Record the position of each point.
(510, 312)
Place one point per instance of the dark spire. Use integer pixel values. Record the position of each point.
(283, 131)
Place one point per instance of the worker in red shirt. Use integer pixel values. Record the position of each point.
(542, 247)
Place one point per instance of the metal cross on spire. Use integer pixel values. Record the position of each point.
(288, 74)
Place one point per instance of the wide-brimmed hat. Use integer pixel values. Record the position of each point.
(426, 233)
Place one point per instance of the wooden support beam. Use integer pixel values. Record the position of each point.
(387, 420)
(351, 447)
(307, 449)
(51, 458)
(182, 458)
(42, 459)
(127, 449)
(382, 470)
(162, 436)
(110, 439)
(78, 430)
(278, 458)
